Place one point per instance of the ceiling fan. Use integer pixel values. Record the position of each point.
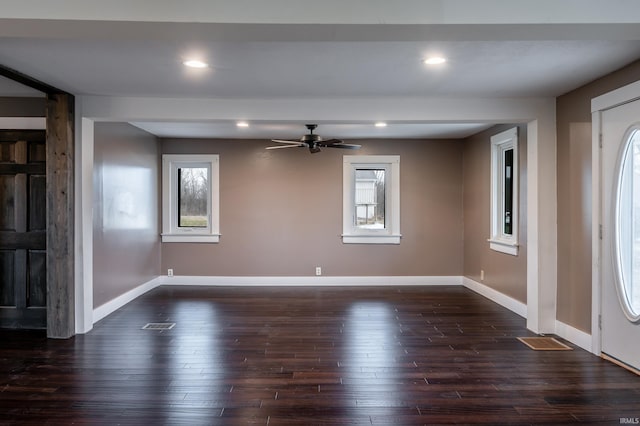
(313, 142)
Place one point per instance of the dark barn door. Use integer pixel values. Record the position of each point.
(23, 286)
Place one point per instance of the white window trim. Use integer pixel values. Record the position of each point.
(171, 233)
(500, 241)
(354, 235)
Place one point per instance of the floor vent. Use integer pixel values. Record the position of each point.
(544, 344)
(159, 326)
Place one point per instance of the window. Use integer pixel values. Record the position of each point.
(371, 199)
(190, 199)
(504, 192)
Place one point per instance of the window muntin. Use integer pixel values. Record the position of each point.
(190, 198)
(504, 192)
(627, 226)
(371, 199)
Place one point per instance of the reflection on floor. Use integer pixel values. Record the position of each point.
(302, 356)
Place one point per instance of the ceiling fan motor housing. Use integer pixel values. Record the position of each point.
(311, 138)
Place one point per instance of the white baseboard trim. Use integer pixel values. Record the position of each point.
(321, 281)
(495, 296)
(111, 306)
(115, 304)
(575, 336)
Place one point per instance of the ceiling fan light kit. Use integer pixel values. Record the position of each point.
(312, 141)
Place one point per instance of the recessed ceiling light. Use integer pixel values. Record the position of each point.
(194, 63)
(242, 124)
(381, 124)
(435, 60)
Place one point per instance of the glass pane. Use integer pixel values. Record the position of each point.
(192, 197)
(508, 191)
(628, 215)
(370, 198)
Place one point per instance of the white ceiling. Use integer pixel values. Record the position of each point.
(294, 130)
(331, 57)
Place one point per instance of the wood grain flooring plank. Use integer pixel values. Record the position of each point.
(307, 356)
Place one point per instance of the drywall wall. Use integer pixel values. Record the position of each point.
(574, 195)
(502, 272)
(126, 245)
(281, 212)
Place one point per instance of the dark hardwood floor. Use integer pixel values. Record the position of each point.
(301, 356)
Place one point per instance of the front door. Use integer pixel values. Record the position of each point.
(620, 195)
(23, 229)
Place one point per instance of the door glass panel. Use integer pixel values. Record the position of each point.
(628, 226)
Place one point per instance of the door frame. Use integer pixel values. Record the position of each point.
(538, 113)
(61, 240)
(623, 95)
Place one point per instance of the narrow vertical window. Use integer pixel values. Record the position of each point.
(508, 191)
(190, 198)
(504, 192)
(193, 197)
(371, 199)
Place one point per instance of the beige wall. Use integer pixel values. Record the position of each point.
(281, 212)
(126, 247)
(502, 272)
(574, 195)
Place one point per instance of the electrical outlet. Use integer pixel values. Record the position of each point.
(481, 274)
(318, 270)
(169, 272)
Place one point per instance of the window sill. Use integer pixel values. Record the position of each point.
(507, 247)
(371, 239)
(181, 238)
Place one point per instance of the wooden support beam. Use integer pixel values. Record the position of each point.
(21, 78)
(60, 216)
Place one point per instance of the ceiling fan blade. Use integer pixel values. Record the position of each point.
(285, 141)
(313, 142)
(286, 146)
(344, 146)
(329, 142)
